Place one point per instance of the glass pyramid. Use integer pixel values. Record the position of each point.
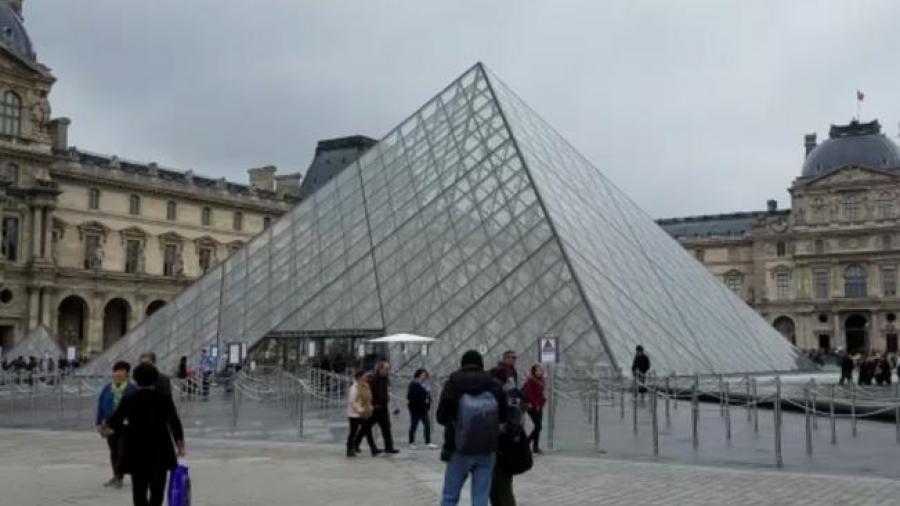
(476, 223)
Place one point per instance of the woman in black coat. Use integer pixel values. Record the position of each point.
(149, 423)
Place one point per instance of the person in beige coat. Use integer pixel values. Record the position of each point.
(359, 414)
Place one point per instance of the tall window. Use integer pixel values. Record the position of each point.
(238, 220)
(782, 284)
(134, 205)
(267, 220)
(93, 258)
(734, 281)
(820, 246)
(855, 281)
(780, 248)
(12, 173)
(820, 283)
(170, 260)
(171, 210)
(11, 114)
(698, 254)
(93, 198)
(10, 241)
(132, 256)
(206, 216)
(885, 210)
(886, 241)
(206, 256)
(889, 280)
(852, 207)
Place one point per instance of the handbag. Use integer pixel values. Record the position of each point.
(180, 486)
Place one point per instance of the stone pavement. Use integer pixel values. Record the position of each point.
(53, 468)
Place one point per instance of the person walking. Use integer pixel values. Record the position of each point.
(359, 411)
(381, 401)
(846, 368)
(110, 397)
(534, 400)
(418, 397)
(508, 363)
(149, 423)
(207, 365)
(470, 411)
(164, 384)
(639, 368)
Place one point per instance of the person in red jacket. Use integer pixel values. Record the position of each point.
(534, 398)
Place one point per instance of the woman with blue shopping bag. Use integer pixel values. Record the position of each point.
(149, 423)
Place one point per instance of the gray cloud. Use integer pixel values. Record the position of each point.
(690, 107)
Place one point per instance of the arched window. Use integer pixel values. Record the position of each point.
(134, 205)
(780, 248)
(206, 216)
(855, 281)
(171, 209)
(11, 114)
(238, 220)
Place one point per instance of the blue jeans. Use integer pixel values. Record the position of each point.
(458, 469)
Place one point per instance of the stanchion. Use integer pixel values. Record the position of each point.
(831, 415)
(806, 408)
(551, 417)
(634, 406)
(622, 398)
(727, 403)
(755, 406)
(747, 396)
(695, 410)
(668, 395)
(300, 411)
(897, 410)
(597, 422)
(853, 408)
(654, 421)
(235, 392)
(777, 421)
(674, 394)
(721, 396)
(814, 405)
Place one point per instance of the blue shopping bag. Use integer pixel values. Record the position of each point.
(180, 486)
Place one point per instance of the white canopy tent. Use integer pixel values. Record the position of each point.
(402, 338)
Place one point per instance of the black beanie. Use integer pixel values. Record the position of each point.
(472, 357)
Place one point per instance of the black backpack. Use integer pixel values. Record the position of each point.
(514, 452)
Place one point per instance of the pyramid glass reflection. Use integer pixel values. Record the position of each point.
(473, 222)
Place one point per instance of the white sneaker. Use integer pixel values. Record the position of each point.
(432, 446)
(412, 447)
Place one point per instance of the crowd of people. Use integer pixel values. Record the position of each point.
(482, 414)
(873, 367)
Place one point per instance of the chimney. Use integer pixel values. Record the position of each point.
(809, 142)
(59, 134)
(263, 178)
(771, 205)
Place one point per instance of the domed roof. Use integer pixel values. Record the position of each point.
(857, 144)
(13, 34)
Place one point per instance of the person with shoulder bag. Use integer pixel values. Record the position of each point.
(359, 414)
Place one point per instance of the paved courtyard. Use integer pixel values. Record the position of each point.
(53, 468)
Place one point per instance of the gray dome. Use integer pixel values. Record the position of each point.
(857, 144)
(13, 34)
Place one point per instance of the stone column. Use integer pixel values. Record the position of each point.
(94, 337)
(35, 232)
(33, 302)
(839, 338)
(46, 308)
(48, 233)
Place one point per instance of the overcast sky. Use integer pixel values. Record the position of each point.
(690, 107)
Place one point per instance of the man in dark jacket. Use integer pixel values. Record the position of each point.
(418, 397)
(847, 367)
(639, 368)
(470, 379)
(381, 401)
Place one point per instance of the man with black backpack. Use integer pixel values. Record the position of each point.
(470, 411)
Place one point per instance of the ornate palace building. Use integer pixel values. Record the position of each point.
(91, 243)
(823, 272)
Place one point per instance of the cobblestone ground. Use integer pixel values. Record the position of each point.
(53, 468)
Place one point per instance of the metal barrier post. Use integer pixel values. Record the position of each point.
(654, 420)
(755, 401)
(814, 404)
(831, 414)
(747, 395)
(675, 394)
(897, 410)
(668, 395)
(300, 411)
(235, 392)
(597, 422)
(551, 418)
(622, 398)
(695, 410)
(721, 396)
(727, 404)
(853, 408)
(777, 421)
(807, 400)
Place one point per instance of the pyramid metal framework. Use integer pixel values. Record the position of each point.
(37, 343)
(476, 223)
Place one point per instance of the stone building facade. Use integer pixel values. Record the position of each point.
(823, 272)
(91, 244)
